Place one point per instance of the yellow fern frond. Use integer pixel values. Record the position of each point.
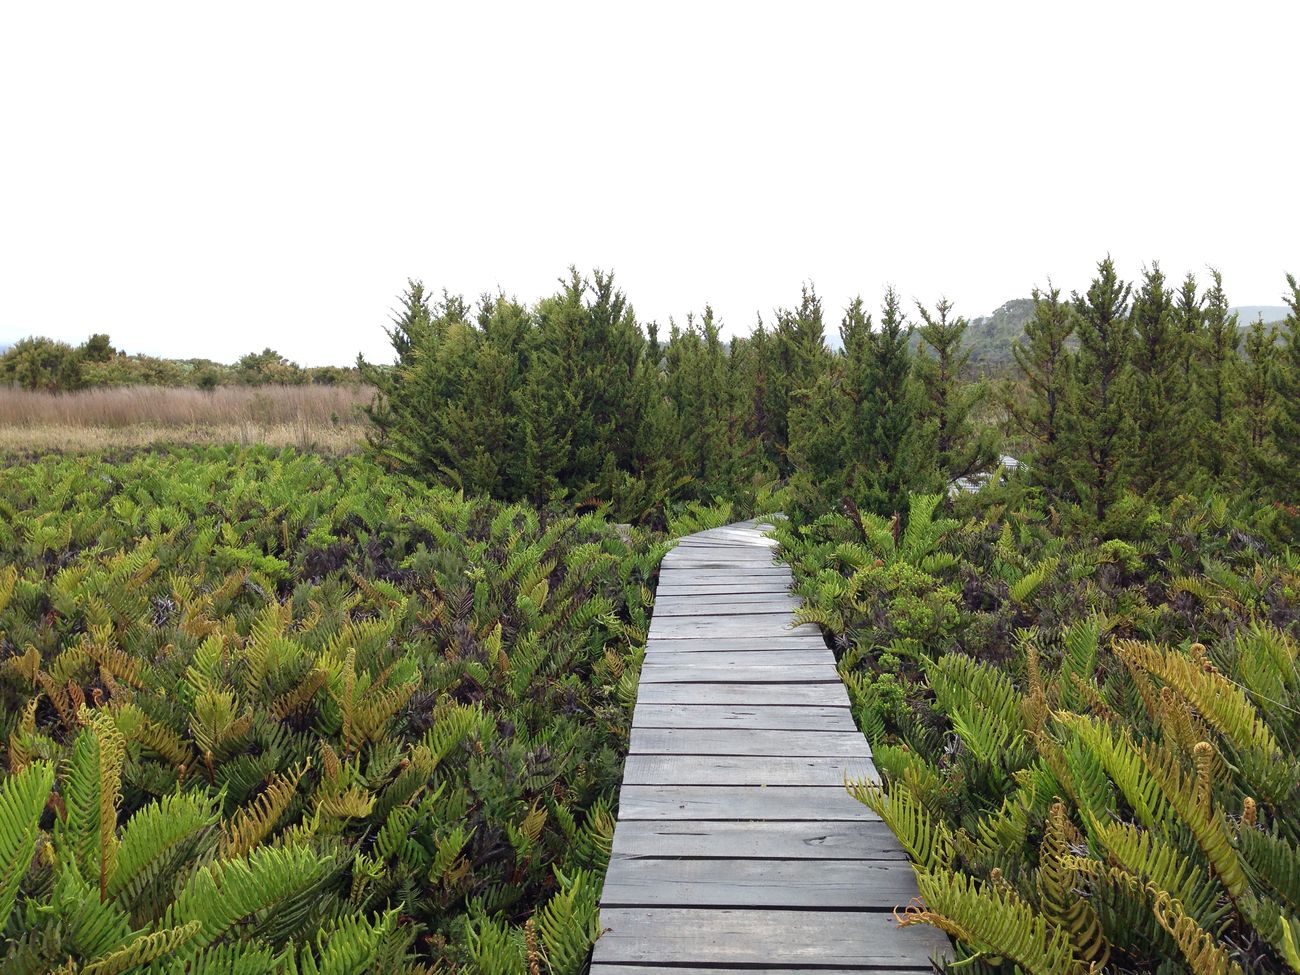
(1204, 956)
(254, 822)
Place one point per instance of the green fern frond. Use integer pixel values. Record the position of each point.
(993, 920)
(22, 800)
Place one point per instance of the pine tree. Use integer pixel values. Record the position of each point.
(885, 463)
(1189, 323)
(1257, 381)
(798, 348)
(1100, 400)
(1216, 369)
(705, 398)
(960, 449)
(1044, 362)
(1160, 391)
(1286, 427)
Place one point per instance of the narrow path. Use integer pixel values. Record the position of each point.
(737, 845)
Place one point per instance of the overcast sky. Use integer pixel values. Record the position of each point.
(212, 179)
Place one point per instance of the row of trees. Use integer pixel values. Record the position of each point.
(56, 367)
(1150, 388)
(1142, 388)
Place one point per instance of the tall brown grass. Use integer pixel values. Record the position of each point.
(311, 417)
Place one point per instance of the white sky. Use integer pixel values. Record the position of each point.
(211, 179)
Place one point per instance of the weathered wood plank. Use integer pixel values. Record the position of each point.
(738, 599)
(780, 605)
(668, 589)
(706, 839)
(660, 673)
(770, 718)
(760, 770)
(777, 610)
(668, 656)
(831, 695)
(703, 741)
(709, 644)
(741, 627)
(769, 938)
(859, 884)
(775, 802)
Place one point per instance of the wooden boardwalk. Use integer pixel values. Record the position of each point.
(737, 846)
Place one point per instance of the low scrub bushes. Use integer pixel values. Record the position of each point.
(1089, 746)
(265, 712)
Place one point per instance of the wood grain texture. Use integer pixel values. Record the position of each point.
(728, 839)
(737, 847)
(770, 718)
(871, 884)
(782, 744)
(771, 938)
(830, 804)
(759, 770)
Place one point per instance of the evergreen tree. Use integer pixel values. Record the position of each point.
(884, 461)
(1044, 362)
(706, 399)
(1160, 392)
(1286, 427)
(798, 349)
(1100, 399)
(960, 449)
(1216, 369)
(1257, 382)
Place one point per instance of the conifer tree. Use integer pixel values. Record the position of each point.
(1044, 362)
(1257, 381)
(960, 449)
(1216, 369)
(1286, 427)
(798, 348)
(886, 464)
(1100, 401)
(1160, 392)
(706, 401)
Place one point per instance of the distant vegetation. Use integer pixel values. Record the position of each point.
(271, 711)
(50, 366)
(1144, 387)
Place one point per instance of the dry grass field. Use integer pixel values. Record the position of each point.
(324, 418)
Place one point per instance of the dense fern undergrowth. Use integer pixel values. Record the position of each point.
(1088, 748)
(266, 712)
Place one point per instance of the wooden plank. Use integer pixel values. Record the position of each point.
(761, 770)
(704, 741)
(728, 627)
(659, 672)
(767, 841)
(737, 644)
(857, 884)
(667, 656)
(774, 802)
(768, 938)
(780, 605)
(830, 695)
(770, 717)
(700, 600)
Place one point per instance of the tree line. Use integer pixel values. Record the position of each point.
(47, 365)
(1137, 387)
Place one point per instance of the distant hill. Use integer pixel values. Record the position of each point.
(1270, 313)
(990, 337)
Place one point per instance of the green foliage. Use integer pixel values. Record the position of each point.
(293, 714)
(1093, 763)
